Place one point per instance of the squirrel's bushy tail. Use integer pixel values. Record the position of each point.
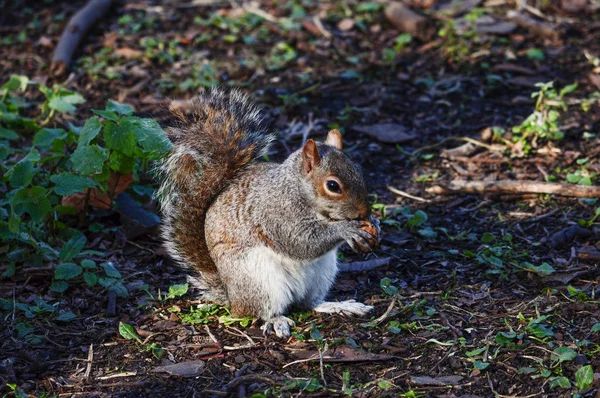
(223, 135)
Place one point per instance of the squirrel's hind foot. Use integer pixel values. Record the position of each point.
(348, 307)
(280, 325)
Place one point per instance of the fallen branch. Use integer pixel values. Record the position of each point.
(362, 266)
(78, 26)
(545, 30)
(516, 187)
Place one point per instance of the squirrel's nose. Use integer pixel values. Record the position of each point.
(364, 211)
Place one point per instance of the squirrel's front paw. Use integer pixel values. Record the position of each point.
(280, 325)
(362, 236)
(348, 307)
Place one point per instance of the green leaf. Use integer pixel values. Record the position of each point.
(66, 316)
(88, 264)
(385, 384)
(121, 109)
(487, 238)
(45, 137)
(127, 331)
(544, 269)
(67, 271)
(387, 287)
(122, 163)
(72, 248)
(428, 233)
(60, 105)
(573, 178)
(8, 134)
(120, 137)
(596, 327)
(110, 270)
(68, 184)
(88, 159)
(567, 89)
(21, 174)
(474, 352)
(151, 137)
(480, 365)
(90, 279)
(106, 114)
(505, 337)
(90, 130)
(16, 82)
(315, 333)
(562, 354)
(177, 290)
(561, 381)
(59, 286)
(32, 201)
(535, 54)
(584, 377)
(418, 218)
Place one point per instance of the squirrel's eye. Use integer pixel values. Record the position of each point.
(333, 186)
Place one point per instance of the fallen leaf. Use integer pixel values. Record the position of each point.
(390, 133)
(182, 369)
(45, 41)
(127, 52)
(345, 24)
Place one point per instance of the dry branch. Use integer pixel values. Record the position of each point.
(541, 29)
(78, 26)
(516, 187)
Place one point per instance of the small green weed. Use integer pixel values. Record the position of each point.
(128, 332)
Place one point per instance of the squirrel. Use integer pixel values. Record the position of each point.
(261, 237)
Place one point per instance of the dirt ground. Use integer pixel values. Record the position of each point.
(476, 295)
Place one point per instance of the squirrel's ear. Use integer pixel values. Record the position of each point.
(310, 156)
(334, 139)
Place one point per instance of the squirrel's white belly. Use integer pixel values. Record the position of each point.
(289, 281)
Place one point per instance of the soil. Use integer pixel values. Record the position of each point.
(470, 317)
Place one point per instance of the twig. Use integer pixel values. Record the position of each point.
(407, 195)
(541, 217)
(113, 376)
(241, 347)
(386, 313)
(260, 13)
(212, 336)
(321, 353)
(77, 27)
(320, 26)
(466, 139)
(90, 359)
(516, 187)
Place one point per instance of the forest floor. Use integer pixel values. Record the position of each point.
(475, 295)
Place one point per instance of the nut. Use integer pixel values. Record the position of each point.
(371, 230)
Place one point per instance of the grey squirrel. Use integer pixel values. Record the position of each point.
(261, 237)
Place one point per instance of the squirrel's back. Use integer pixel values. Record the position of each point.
(222, 136)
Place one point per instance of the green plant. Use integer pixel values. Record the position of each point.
(543, 122)
(128, 332)
(46, 176)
